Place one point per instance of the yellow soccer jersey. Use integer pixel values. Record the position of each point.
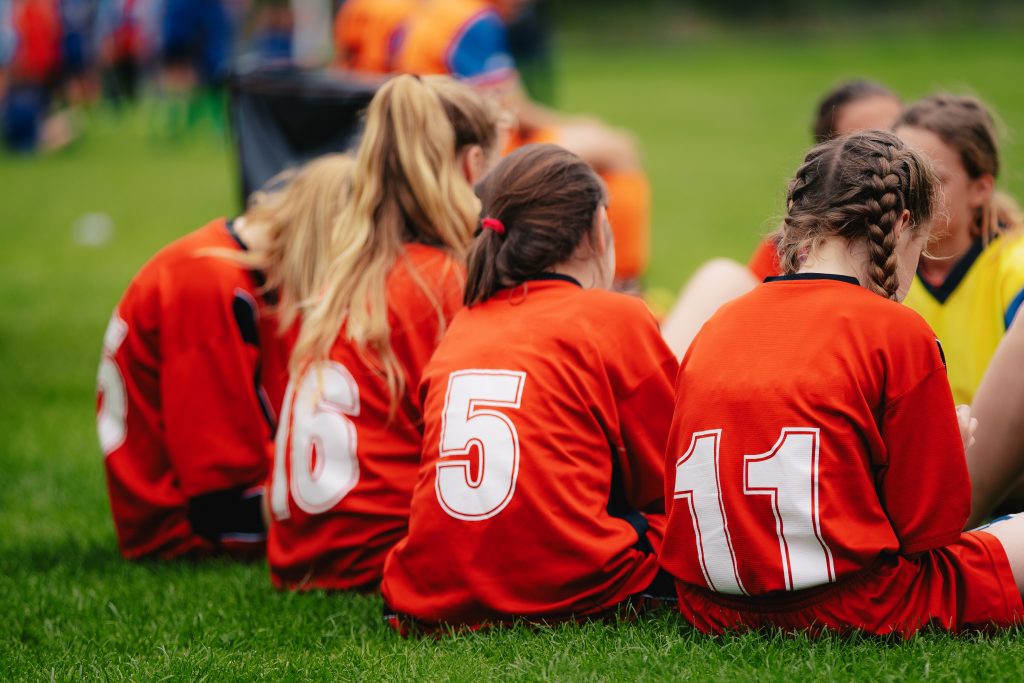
(971, 310)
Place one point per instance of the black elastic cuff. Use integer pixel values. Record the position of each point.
(227, 512)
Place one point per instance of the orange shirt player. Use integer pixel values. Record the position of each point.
(367, 34)
(468, 39)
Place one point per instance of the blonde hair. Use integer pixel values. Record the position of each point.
(297, 223)
(968, 126)
(406, 188)
(475, 118)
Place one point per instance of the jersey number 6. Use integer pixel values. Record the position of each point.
(469, 422)
(319, 439)
(788, 475)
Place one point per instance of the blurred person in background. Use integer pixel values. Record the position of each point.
(850, 107)
(196, 46)
(29, 120)
(469, 40)
(78, 51)
(367, 34)
(123, 46)
(267, 35)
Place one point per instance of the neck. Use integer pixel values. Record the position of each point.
(943, 254)
(584, 271)
(253, 235)
(836, 256)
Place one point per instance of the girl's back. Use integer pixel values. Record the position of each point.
(798, 452)
(340, 408)
(815, 472)
(534, 401)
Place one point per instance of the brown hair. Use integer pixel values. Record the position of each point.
(856, 187)
(845, 93)
(546, 197)
(965, 124)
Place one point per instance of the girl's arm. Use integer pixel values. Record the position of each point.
(996, 460)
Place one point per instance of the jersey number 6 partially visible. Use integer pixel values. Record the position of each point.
(788, 475)
(469, 422)
(320, 440)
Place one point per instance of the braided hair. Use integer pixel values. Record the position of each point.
(856, 187)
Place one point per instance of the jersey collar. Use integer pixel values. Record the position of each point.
(956, 274)
(556, 276)
(813, 276)
(229, 225)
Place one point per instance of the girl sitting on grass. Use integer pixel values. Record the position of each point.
(970, 282)
(193, 371)
(348, 448)
(815, 470)
(546, 409)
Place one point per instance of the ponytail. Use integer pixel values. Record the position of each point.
(544, 199)
(406, 188)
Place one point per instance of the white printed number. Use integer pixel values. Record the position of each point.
(469, 422)
(320, 439)
(112, 413)
(788, 475)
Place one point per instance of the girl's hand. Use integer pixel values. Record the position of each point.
(968, 425)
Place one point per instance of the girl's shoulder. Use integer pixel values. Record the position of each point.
(191, 262)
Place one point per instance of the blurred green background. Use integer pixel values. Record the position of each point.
(723, 112)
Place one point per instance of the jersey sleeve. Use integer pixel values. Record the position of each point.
(924, 485)
(480, 51)
(764, 262)
(216, 427)
(646, 400)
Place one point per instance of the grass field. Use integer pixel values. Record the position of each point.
(723, 119)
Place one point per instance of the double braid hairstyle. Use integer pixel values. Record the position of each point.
(856, 187)
(545, 198)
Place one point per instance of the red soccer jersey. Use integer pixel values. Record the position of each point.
(181, 411)
(764, 262)
(343, 470)
(546, 409)
(814, 439)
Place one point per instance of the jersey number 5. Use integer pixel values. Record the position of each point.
(469, 422)
(319, 441)
(788, 475)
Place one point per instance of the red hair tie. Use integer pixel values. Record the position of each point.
(493, 224)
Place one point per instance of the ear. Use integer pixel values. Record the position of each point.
(902, 223)
(472, 161)
(980, 189)
(602, 234)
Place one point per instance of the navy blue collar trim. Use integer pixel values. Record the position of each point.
(230, 225)
(956, 274)
(814, 276)
(557, 276)
(258, 277)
